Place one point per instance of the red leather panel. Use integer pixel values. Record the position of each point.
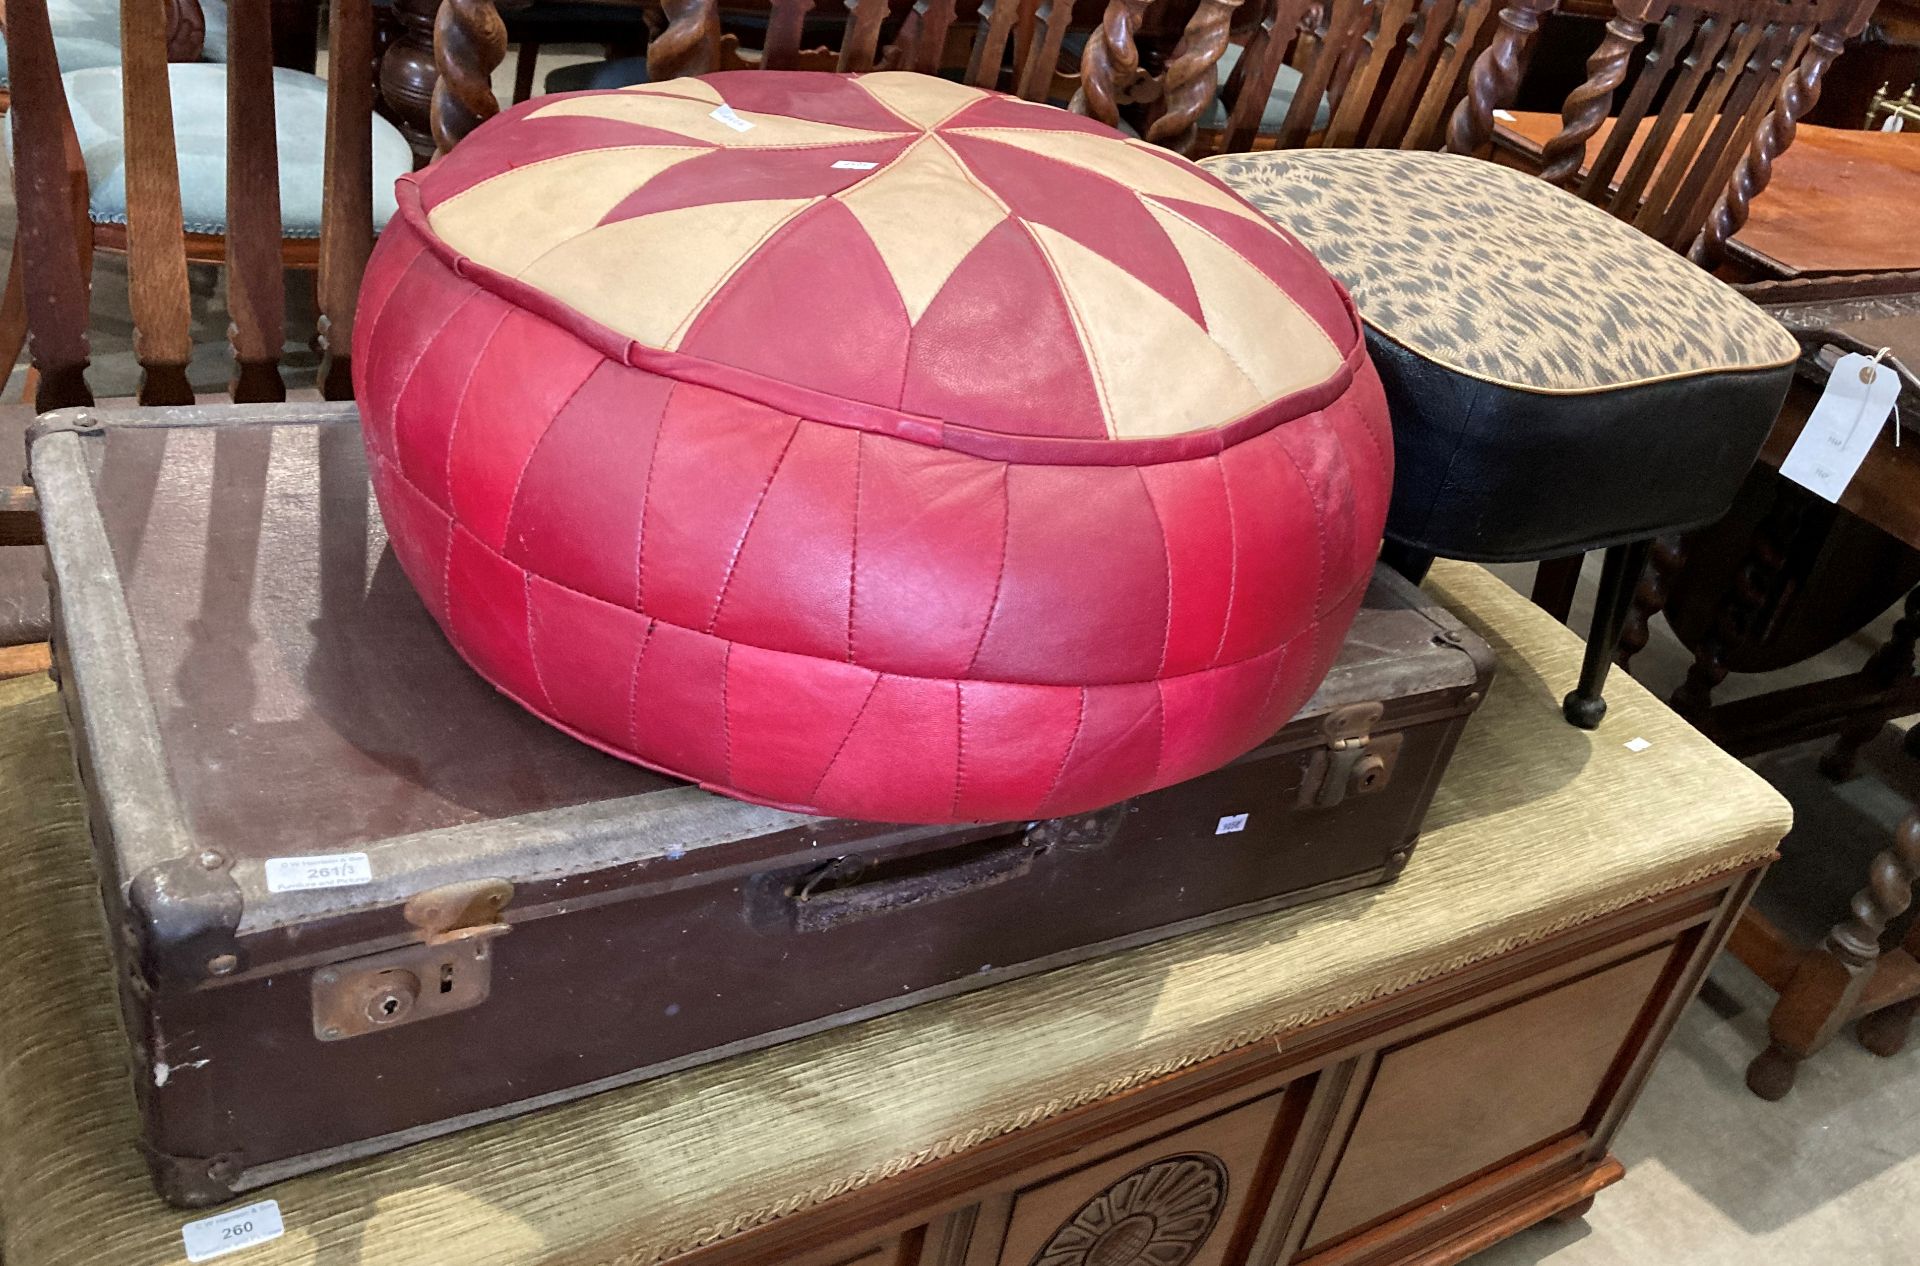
(823, 615)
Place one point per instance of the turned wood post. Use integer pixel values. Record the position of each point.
(691, 43)
(52, 248)
(1885, 1032)
(256, 279)
(1586, 107)
(1767, 553)
(346, 221)
(156, 236)
(407, 73)
(1827, 986)
(1885, 668)
(784, 29)
(469, 41)
(1797, 96)
(1495, 76)
(1110, 64)
(858, 46)
(1190, 80)
(1664, 562)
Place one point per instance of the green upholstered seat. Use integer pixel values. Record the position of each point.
(214, 47)
(1286, 82)
(199, 92)
(86, 33)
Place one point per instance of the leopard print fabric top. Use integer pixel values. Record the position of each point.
(1500, 276)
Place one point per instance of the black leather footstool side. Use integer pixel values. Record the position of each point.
(1559, 382)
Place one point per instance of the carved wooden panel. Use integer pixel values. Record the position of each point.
(1178, 1200)
(1448, 1106)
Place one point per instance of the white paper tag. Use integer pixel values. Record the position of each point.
(1841, 430)
(1894, 123)
(232, 1231)
(1231, 823)
(853, 164)
(331, 870)
(1636, 745)
(1505, 116)
(726, 115)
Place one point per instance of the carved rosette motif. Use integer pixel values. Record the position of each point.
(1158, 1215)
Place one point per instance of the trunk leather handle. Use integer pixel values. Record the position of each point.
(817, 909)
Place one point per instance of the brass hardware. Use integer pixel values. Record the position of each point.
(1353, 763)
(457, 909)
(1903, 107)
(450, 970)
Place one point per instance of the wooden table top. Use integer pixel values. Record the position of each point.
(1859, 314)
(1840, 201)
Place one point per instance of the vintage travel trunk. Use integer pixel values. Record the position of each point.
(361, 899)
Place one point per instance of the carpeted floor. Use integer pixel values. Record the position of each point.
(1716, 1177)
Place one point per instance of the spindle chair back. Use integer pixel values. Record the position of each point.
(1380, 73)
(1717, 89)
(1015, 46)
(51, 276)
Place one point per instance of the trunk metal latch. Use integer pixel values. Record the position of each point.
(450, 970)
(1354, 762)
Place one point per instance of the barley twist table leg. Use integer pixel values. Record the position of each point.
(1885, 669)
(1650, 598)
(1827, 986)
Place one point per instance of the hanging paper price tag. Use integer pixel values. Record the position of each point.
(1841, 430)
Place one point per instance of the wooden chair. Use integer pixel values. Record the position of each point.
(1716, 96)
(1015, 47)
(65, 215)
(1374, 73)
(1717, 89)
(73, 201)
(87, 33)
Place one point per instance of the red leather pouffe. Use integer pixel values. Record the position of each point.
(869, 446)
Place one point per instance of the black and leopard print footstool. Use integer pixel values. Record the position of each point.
(1559, 382)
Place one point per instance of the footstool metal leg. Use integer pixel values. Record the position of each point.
(1619, 574)
(1406, 560)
